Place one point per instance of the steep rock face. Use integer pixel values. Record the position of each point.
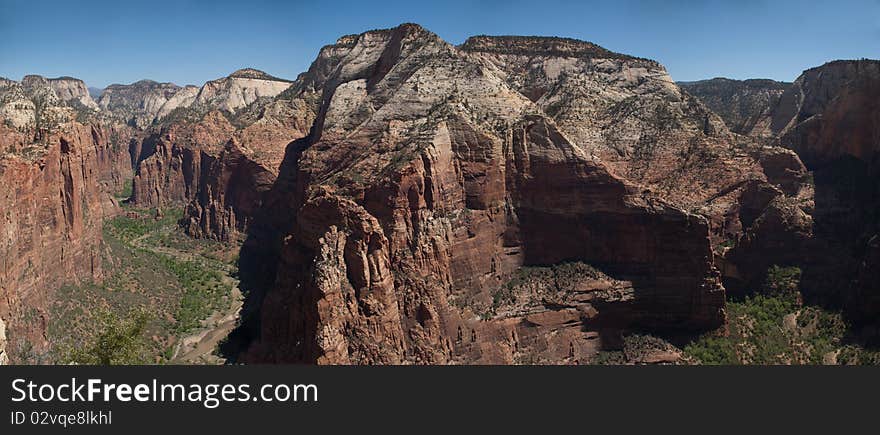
(831, 112)
(240, 89)
(33, 105)
(54, 203)
(57, 177)
(745, 105)
(628, 112)
(141, 103)
(147, 102)
(171, 173)
(218, 166)
(68, 89)
(831, 118)
(395, 230)
(228, 193)
(836, 131)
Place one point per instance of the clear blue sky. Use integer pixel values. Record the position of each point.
(191, 41)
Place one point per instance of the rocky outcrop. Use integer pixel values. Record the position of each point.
(147, 102)
(219, 165)
(142, 103)
(836, 131)
(240, 89)
(745, 105)
(68, 89)
(434, 176)
(830, 117)
(34, 106)
(627, 112)
(830, 112)
(52, 225)
(57, 177)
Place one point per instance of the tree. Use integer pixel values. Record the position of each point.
(119, 340)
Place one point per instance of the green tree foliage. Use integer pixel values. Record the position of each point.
(119, 340)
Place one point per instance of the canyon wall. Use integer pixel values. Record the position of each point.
(830, 117)
(54, 204)
(438, 182)
(745, 105)
(218, 165)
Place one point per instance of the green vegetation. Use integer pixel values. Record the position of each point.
(634, 349)
(150, 266)
(772, 327)
(537, 284)
(126, 191)
(119, 340)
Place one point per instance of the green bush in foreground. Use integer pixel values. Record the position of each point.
(118, 340)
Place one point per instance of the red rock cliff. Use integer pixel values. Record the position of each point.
(55, 195)
(408, 226)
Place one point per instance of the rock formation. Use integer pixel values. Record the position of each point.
(218, 164)
(240, 89)
(146, 102)
(68, 89)
(831, 118)
(405, 227)
(745, 105)
(141, 103)
(57, 176)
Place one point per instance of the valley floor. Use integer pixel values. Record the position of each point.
(166, 298)
(772, 327)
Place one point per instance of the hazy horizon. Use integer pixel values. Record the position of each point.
(194, 41)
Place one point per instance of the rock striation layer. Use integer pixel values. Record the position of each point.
(437, 181)
(58, 176)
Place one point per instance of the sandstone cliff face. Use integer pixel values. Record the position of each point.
(240, 89)
(831, 118)
(626, 111)
(33, 105)
(51, 230)
(836, 131)
(218, 165)
(407, 226)
(68, 89)
(745, 105)
(147, 102)
(141, 103)
(57, 177)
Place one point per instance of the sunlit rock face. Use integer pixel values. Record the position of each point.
(59, 167)
(511, 200)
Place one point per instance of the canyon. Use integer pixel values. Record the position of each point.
(510, 200)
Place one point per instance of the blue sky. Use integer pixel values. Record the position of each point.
(191, 41)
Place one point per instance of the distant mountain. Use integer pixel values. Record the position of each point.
(95, 93)
(147, 101)
(743, 104)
